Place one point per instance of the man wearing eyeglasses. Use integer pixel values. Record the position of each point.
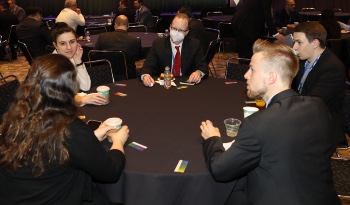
(71, 15)
(181, 53)
(287, 16)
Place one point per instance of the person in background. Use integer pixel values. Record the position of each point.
(122, 41)
(71, 15)
(196, 28)
(177, 51)
(7, 19)
(287, 16)
(321, 74)
(278, 148)
(48, 155)
(65, 42)
(330, 23)
(143, 15)
(34, 33)
(249, 24)
(18, 11)
(344, 26)
(124, 9)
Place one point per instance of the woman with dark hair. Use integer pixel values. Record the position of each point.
(65, 41)
(47, 154)
(330, 23)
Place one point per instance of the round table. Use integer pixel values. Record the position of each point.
(167, 122)
(213, 21)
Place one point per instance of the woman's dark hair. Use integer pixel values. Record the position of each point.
(35, 126)
(60, 28)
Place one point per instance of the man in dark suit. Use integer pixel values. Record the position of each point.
(249, 23)
(34, 33)
(18, 11)
(120, 40)
(143, 15)
(7, 19)
(284, 149)
(164, 53)
(124, 9)
(287, 16)
(196, 28)
(321, 73)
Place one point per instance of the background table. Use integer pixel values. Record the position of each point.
(167, 122)
(146, 43)
(213, 21)
(316, 16)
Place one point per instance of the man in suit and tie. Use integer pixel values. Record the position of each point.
(249, 24)
(285, 149)
(122, 41)
(143, 15)
(178, 51)
(321, 74)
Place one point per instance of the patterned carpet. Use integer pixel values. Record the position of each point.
(20, 68)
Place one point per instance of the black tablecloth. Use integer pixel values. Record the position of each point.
(167, 122)
(146, 43)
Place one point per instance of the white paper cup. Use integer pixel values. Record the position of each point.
(249, 111)
(296, 23)
(104, 91)
(114, 122)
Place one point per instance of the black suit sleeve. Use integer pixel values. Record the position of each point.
(243, 156)
(266, 6)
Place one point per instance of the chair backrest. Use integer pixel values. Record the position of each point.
(236, 68)
(26, 52)
(212, 34)
(337, 9)
(156, 25)
(117, 60)
(50, 48)
(8, 88)
(226, 32)
(12, 35)
(137, 28)
(94, 30)
(308, 9)
(341, 177)
(212, 49)
(214, 13)
(100, 72)
(346, 110)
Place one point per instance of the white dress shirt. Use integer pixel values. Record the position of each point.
(82, 75)
(72, 18)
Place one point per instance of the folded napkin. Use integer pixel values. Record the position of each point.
(161, 82)
(228, 144)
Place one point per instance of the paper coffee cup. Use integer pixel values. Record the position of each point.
(249, 111)
(104, 91)
(114, 122)
(284, 30)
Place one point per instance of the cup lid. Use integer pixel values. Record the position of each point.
(102, 88)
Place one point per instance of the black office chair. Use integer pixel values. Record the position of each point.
(8, 87)
(156, 25)
(26, 52)
(137, 28)
(94, 30)
(117, 60)
(227, 35)
(212, 34)
(100, 72)
(212, 49)
(236, 68)
(306, 10)
(214, 13)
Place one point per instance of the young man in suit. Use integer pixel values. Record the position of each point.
(249, 24)
(120, 40)
(164, 52)
(321, 74)
(143, 15)
(285, 149)
(34, 33)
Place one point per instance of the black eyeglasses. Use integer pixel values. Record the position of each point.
(175, 29)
